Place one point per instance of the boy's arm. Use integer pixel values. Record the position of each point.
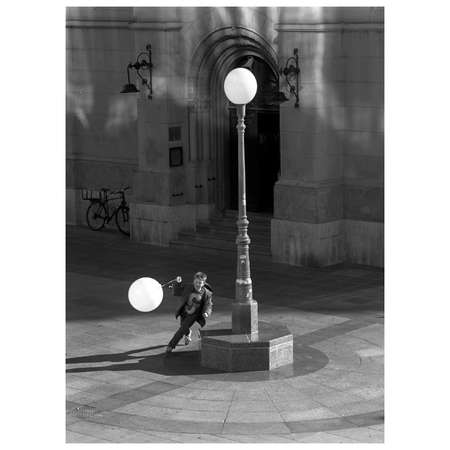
(207, 306)
(184, 299)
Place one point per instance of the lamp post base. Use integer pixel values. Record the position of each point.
(271, 348)
(245, 318)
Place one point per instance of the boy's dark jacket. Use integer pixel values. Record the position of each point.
(206, 303)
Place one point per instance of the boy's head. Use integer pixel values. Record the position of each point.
(199, 280)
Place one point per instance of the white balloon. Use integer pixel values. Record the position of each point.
(240, 86)
(145, 294)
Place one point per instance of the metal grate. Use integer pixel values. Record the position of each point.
(84, 411)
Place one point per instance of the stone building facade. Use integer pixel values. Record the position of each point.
(316, 170)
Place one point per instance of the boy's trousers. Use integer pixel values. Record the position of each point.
(186, 323)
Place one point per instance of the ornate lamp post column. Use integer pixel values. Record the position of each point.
(240, 87)
(248, 345)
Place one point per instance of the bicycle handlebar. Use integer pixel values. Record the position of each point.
(120, 191)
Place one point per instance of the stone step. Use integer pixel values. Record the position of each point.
(221, 231)
(251, 216)
(219, 246)
(222, 235)
(230, 224)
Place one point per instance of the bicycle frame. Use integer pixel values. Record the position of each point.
(106, 202)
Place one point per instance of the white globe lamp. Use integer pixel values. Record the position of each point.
(145, 294)
(240, 86)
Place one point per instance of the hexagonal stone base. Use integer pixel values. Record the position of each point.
(272, 347)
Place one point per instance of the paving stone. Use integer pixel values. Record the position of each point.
(322, 437)
(361, 434)
(191, 404)
(147, 424)
(254, 428)
(253, 416)
(72, 437)
(194, 438)
(110, 347)
(260, 438)
(317, 425)
(250, 395)
(145, 408)
(296, 405)
(307, 414)
(252, 406)
(112, 433)
(338, 398)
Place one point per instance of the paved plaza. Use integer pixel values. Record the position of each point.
(121, 387)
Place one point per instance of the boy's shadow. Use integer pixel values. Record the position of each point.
(184, 362)
(307, 360)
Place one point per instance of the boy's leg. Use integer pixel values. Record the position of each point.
(187, 337)
(184, 329)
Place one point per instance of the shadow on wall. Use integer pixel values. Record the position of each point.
(342, 103)
(336, 138)
(101, 124)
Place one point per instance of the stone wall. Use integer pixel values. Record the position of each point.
(101, 124)
(329, 197)
(332, 147)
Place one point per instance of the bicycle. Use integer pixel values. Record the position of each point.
(98, 213)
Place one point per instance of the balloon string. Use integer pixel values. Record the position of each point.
(168, 282)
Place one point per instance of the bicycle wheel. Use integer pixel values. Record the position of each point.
(96, 216)
(123, 220)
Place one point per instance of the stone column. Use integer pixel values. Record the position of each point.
(245, 308)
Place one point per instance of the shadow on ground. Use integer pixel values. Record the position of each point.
(187, 363)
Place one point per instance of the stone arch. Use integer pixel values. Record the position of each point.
(211, 61)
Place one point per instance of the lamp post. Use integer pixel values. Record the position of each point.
(240, 88)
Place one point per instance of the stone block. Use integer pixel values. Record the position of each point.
(152, 186)
(96, 174)
(312, 45)
(153, 147)
(297, 202)
(310, 156)
(270, 348)
(364, 94)
(364, 167)
(103, 13)
(316, 68)
(363, 43)
(321, 119)
(317, 144)
(362, 143)
(317, 95)
(369, 69)
(365, 242)
(158, 224)
(360, 118)
(245, 318)
(307, 244)
(364, 203)
(75, 207)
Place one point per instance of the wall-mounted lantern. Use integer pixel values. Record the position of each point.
(143, 62)
(291, 72)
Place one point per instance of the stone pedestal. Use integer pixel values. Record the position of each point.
(245, 318)
(268, 349)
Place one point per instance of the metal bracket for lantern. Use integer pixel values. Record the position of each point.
(143, 62)
(292, 74)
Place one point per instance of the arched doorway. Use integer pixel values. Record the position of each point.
(212, 142)
(262, 143)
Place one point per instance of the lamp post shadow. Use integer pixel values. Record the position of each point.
(188, 363)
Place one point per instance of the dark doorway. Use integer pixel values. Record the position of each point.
(262, 144)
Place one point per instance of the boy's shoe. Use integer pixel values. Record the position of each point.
(187, 340)
(169, 349)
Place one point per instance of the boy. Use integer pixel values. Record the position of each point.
(195, 307)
